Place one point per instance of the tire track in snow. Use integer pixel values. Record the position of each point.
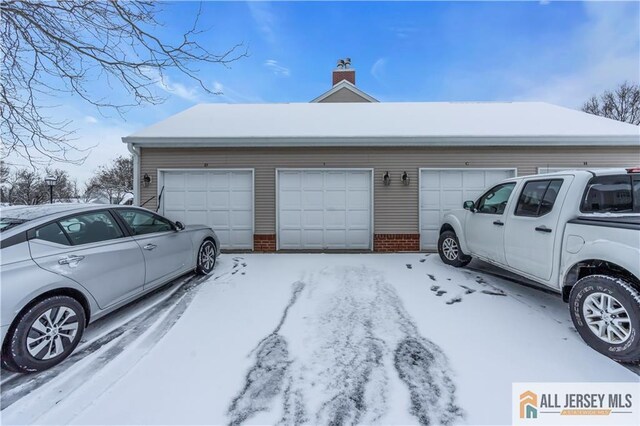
(80, 365)
(266, 378)
(355, 332)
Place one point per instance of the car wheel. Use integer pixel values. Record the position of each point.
(44, 335)
(606, 312)
(206, 258)
(450, 251)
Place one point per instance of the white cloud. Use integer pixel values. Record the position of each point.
(276, 68)
(607, 46)
(265, 19)
(178, 89)
(229, 95)
(90, 119)
(378, 68)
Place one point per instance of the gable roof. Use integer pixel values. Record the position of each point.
(380, 124)
(345, 85)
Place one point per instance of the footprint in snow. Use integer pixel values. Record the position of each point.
(454, 300)
(422, 260)
(409, 266)
(435, 287)
(432, 277)
(494, 292)
(468, 290)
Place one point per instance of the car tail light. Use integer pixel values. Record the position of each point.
(633, 170)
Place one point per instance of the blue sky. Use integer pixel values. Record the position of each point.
(559, 52)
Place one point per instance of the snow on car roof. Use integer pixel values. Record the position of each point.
(384, 123)
(35, 212)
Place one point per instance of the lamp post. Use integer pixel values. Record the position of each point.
(51, 181)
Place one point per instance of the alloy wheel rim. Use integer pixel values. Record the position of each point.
(207, 256)
(450, 249)
(52, 333)
(607, 318)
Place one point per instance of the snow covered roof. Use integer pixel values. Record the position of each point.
(385, 123)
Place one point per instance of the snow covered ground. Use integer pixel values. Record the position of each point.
(314, 338)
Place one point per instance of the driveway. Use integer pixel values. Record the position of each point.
(315, 338)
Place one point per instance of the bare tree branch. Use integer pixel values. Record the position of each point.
(623, 104)
(55, 47)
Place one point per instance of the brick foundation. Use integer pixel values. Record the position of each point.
(264, 243)
(396, 242)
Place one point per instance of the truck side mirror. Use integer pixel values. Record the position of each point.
(469, 205)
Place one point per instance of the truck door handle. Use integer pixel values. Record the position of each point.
(498, 222)
(543, 229)
(72, 259)
(149, 246)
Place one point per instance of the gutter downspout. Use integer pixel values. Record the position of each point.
(136, 173)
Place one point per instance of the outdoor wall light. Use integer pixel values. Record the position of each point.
(386, 179)
(146, 180)
(405, 179)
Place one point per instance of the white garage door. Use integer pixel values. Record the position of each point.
(443, 190)
(324, 209)
(221, 199)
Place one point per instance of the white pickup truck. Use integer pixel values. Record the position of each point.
(576, 232)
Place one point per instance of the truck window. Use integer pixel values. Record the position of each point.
(617, 194)
(495, 200)
(538, 197)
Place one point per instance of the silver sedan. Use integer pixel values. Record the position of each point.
(66, 265)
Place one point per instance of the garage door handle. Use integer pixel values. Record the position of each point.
(498, 222)
(543, 229)
(149, 246)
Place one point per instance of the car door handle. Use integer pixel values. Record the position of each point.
(73, 259)
(498, 222)
(149, 246)
(543, 229)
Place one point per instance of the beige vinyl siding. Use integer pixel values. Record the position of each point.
(395, 206)
(344, 95)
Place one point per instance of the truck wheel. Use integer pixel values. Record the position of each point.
(606, 312)
(450, 251)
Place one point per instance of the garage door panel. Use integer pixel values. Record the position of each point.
(221, 199)
(359, 199)
(196, 200)
(312, 238)
(335, 219)
(335, 199)
(358, 219)
(240, 219)
(450, 179)
(335, 180)
(240, 199)
(331, 203)
(174, 180)
(290, 199)
(218, 200)
(312, 180)
(444, 190)
(312, 198)
(312, 219)
(359, 180)
(292, 218)
(174, 200)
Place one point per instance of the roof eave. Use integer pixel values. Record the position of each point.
(305, 141)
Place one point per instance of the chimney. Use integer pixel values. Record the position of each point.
(344, 72)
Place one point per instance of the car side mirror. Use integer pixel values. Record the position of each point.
(179, 226)
(469, 205)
